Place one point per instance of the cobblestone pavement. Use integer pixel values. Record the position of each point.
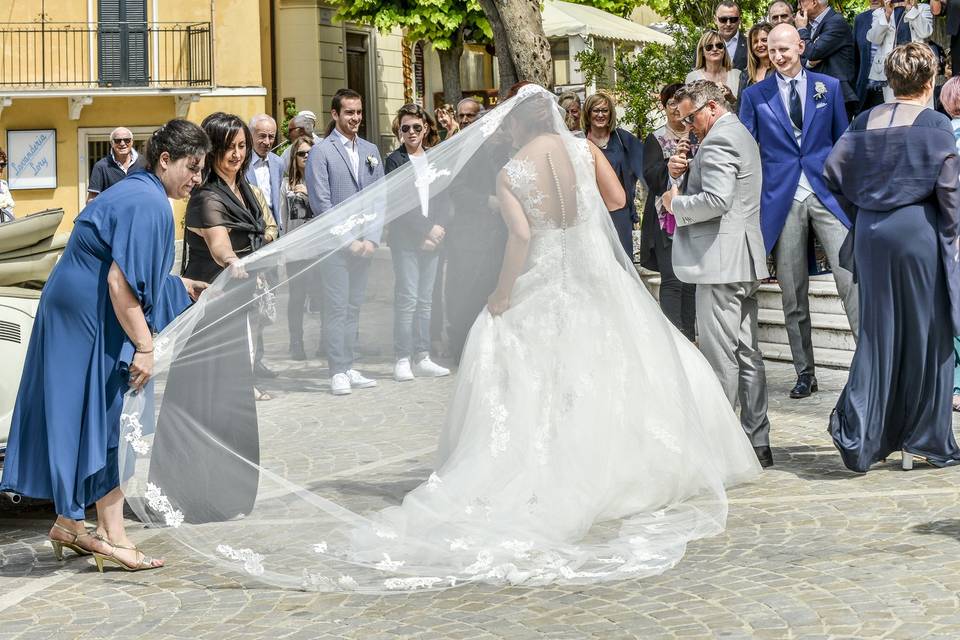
(811, 550)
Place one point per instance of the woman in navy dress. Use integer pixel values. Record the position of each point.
(92, 340)
(896, 169)
(624, 152)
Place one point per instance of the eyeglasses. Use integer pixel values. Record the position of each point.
(417, 128)
(713, 46)
(780, 17)
(729, 20)
(126, 141)
(600, 112)
(302, 154)
(688, 119)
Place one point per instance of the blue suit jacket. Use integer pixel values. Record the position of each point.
(330, 181)
(863, 47)
(824, 121)
(276, 175)
(832, 44)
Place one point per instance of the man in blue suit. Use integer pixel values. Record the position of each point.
(796, 117)
(266, 168)
(338, 167)
(828, 45)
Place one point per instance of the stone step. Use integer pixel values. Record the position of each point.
(822, 295)
(828, 330)
(837, 358)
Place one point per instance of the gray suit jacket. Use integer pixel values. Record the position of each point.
(718, 238)
(330, 180)
(276, 175)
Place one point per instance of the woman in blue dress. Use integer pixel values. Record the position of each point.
(92, 340)
(896, 169)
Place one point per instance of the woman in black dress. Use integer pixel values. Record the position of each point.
(677, 299)
(210, 419)
(896, 170)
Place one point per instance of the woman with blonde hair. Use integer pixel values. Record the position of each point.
(713, 63)
(623, 151)
(447, 120)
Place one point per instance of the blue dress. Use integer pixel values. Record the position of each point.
(624, 151)
(66, 424)
(905, 208)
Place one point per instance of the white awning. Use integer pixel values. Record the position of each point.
(565, 19)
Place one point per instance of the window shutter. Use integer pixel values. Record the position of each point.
(122, 47)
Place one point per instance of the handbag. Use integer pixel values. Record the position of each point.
(266, 302)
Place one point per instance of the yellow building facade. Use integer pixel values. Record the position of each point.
(80, 68)
(83, 67)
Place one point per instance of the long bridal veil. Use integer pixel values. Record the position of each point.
(581, 439)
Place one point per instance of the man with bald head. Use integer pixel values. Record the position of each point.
(266, 168)
(796, 116)
(120, 161)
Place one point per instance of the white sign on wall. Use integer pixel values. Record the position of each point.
(32, 159)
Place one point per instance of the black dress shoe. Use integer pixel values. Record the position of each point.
(765, 456)
(806, 384)
(260, 371)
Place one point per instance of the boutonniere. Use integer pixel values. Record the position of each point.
(373, 162)
(819, 91)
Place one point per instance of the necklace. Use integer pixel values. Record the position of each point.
(596, 140)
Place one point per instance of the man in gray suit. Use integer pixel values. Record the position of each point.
(719, 247)
(337, 168)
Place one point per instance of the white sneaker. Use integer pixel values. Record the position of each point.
(430, 369)
(401, 370)
(340, 384)
(358, 381)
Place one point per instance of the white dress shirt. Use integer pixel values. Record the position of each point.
(352, 150)
(804, 188)
(261, 169)
(420, 168)
(731, 45)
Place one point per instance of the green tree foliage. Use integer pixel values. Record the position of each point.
(641, 76)
(438, 22)
(622, 8)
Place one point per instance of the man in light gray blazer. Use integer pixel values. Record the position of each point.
(338, 167)
(719, 247)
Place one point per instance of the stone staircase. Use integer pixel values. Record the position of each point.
(833, 343)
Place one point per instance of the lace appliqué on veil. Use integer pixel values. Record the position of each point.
(522, 175)
(161, 504)
(133, 432)
(252, 561)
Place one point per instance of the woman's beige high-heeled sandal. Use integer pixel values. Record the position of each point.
(144, 563)
(58, 545)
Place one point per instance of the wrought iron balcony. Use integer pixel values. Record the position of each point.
(105, 55)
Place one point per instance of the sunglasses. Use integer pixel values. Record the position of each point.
(417, 128)
(688, 119)
(713, 46)
(122, 140)
(729, 20)
(302, 154)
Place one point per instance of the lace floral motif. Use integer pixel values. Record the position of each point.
(430, 174)
(252, 561)
(352, 222)
(160, 346)
(161, 504)
(522, 175)
(410, 584)
(133, 432)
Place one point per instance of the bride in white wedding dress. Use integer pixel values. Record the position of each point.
(586, 439)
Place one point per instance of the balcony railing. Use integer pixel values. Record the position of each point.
(59, 55)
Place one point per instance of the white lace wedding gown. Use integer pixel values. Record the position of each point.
(580, 405)
(586, 438)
